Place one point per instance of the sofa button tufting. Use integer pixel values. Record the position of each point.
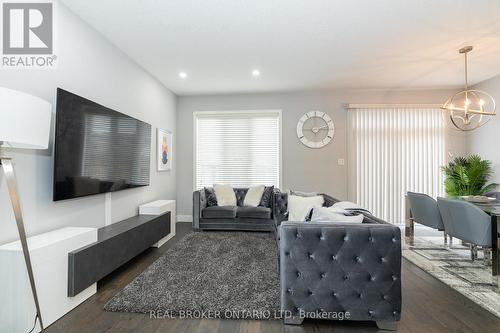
(341, 269)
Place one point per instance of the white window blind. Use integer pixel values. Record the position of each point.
(392, 151)
(110, 143)
(237, 148)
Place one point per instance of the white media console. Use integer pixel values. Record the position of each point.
(159, 207)
(49, 256)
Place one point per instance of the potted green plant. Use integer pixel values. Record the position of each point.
(468, 176)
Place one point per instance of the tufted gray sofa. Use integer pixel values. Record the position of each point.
(339, 271)
(231, 218)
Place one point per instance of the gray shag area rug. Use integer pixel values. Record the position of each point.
(221, 274)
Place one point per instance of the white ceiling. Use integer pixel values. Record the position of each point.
(301, 44)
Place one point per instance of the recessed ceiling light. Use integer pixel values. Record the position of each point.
(255, 72)
(183, 75)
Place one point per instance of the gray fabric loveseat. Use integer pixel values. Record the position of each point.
(339, 271)
(207, 216)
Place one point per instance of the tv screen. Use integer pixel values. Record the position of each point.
(97, 149)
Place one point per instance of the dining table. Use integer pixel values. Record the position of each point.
(492, 208)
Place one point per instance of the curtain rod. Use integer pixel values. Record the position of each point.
(388, 106)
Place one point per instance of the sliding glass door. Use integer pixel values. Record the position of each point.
(393, 150)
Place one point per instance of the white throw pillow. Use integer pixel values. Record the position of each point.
(333, 209)
(253, 196)
(299, 207)
(324, 214)
(225, 195)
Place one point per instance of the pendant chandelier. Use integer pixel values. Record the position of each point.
(469, 108)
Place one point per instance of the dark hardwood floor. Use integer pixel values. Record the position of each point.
(428, 306)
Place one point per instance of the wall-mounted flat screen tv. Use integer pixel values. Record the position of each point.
(97, 150)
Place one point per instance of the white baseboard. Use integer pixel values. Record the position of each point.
(184, 218)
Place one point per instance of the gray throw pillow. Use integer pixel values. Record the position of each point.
(267, 197)
(211, 198)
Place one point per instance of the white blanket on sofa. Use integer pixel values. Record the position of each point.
(349, 206)
(340, 212)
(338, 215)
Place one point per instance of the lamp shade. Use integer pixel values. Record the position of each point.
(24, 120)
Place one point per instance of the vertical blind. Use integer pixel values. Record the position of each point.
(392, 151)
(237, 148)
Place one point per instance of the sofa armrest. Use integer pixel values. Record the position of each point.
(336, 267)
(329, 200)
(280, 207)
(199, 203)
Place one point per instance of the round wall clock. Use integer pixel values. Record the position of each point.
(315, 129)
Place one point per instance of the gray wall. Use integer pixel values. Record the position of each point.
(91, 67)
(483, 141)
(303, 168)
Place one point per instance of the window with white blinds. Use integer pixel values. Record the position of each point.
(240, 148)
(391, 151)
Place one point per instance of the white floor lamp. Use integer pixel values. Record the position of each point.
(24, 124)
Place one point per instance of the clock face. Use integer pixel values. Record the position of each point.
(315, 129)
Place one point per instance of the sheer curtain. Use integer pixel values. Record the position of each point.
(393, 150)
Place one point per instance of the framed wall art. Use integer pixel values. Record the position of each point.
(164, 149)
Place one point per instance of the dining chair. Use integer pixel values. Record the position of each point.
(424, 210)
(467, 222)
(494, 194)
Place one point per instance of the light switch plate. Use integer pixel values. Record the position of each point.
(340, 161)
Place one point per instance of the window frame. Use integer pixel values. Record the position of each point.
(279, 113)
